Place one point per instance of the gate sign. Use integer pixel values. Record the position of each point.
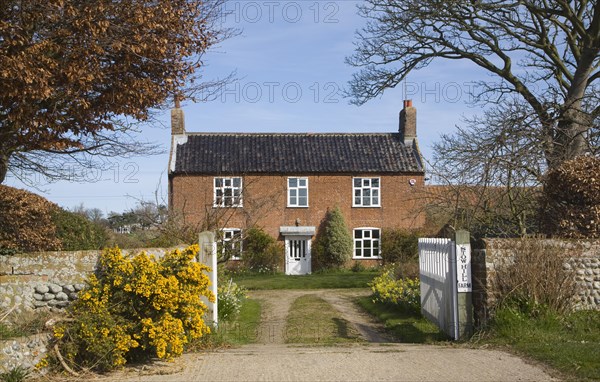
(463, 268)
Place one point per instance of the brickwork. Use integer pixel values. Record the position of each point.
(265, 202)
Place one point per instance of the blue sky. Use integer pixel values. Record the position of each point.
(289, 60)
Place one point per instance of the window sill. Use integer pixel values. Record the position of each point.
(366, 206)
(298, 206)
(227, 206)
(367, 258)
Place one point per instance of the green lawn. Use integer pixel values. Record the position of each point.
(312, 320)
(569, 343)
(239, 331)
(341, 279)
(243, 330)
(404, 325)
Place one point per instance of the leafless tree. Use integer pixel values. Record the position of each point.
(544, 52)
(490, 173)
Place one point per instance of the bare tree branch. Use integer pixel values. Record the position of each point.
(544, 52)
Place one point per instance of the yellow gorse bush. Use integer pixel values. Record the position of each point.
(136, 307)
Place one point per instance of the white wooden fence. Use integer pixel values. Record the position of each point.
(439, 294)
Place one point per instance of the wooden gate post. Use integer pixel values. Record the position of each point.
(465, 285)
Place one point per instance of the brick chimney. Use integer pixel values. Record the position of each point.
(408, 123)
(177, 119)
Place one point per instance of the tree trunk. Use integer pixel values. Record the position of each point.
(574, 122)
(3, 166)
(569, 140)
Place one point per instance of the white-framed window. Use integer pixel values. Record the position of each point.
(297, 192)
(228, 192)
(366, 243)
(230, 245)
(366, 192)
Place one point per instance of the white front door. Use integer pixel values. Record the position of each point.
(297, 255)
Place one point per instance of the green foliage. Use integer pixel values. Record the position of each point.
(136, 308)
(402, 292)
(9, 331)
(23, 324)
(243, 329)
(399, 245)
(572, 199)
(261, 253)
(76, 232)
(230, 297)
(333, 245)
(18, 374)
(407, 326)
(317, 280)
(567, 342)
(357, 267)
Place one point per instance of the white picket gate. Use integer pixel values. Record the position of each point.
(439, 294)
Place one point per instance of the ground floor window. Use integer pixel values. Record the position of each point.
(366, 243)
(230, 245)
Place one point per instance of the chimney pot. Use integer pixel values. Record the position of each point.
(408, 123)
(177, 119)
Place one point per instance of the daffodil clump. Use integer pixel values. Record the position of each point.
(404, 292)
(231, 297)
(135, 308)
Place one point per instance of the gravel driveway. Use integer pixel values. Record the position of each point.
(375, 360)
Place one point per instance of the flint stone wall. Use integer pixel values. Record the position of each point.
(583, 262)
(48, 280)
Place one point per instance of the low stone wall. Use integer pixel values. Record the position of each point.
(26, 352)
(584, 262)
(48, 279)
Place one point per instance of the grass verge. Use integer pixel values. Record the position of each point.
(406, 326)
(312, 320)
(341, 279)
(8, 332)
(239, 331)
(24, 324)
(569, 343)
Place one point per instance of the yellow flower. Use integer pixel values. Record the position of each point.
(59, 332)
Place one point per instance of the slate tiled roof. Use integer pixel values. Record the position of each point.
(239, 153)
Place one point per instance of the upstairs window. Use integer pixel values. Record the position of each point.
(366, 192)
(366, 243)
(297, 192)
(228, 192)
(230, 245)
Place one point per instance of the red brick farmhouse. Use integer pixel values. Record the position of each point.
(285, 183)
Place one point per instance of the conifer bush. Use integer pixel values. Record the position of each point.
(333, 246)
(136, 308)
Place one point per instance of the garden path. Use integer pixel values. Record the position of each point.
(276, 305)
(272, 360)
